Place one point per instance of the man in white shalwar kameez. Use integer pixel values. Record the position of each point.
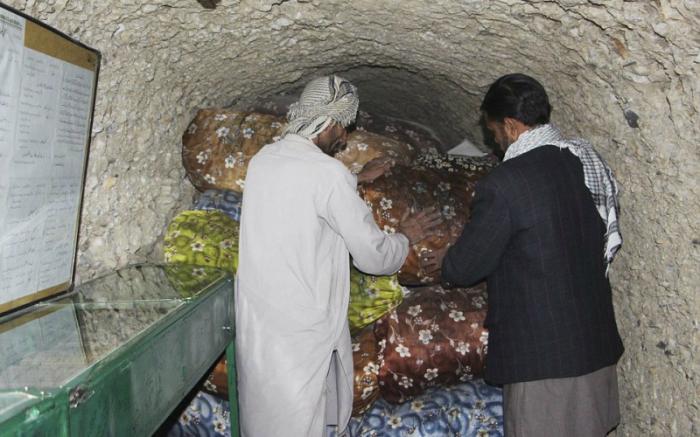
(301, 220)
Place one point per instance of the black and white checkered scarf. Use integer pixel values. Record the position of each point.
(324, 100)
(597, 174)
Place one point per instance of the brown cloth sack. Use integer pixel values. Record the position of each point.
(434, 179)
(418, 136)
(217, 380)
(219, 143)
(365, 358)
(365, 146)
(434, 338)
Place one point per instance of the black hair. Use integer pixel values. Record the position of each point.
(517, 96)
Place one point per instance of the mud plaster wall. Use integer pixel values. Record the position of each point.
(429, 62)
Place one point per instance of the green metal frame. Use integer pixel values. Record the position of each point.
(134, 388)
(232, 389)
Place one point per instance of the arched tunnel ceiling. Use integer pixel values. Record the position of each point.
(397, 92)
(430, 62)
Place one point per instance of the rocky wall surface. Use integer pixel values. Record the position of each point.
(623, 74)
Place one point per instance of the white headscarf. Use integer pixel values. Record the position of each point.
(324, 100)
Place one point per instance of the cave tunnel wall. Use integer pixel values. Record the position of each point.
(603, 62)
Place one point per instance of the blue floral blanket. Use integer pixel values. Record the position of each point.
(465, 410)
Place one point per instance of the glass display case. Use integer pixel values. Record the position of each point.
(116, 355)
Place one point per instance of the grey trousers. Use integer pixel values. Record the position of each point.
(583, 406)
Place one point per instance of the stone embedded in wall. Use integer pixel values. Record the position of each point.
(632, 118)
(209, 4)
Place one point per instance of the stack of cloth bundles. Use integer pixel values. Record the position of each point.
(416, 345)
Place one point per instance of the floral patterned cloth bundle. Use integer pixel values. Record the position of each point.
(217, 380)
(219, 143)
(202, 238)
(467, 409)
(226, 201)
(365, 360)
(365, 146)
(371, 297)
(420, 137)
(434, 338)
(188, 279)
(432, 180)
(472, 409)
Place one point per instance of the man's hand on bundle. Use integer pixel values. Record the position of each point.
(421, 225)
(430, 261)
(374, 169)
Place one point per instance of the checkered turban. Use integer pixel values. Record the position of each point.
(324, 100)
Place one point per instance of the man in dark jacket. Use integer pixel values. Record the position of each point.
(543, 232)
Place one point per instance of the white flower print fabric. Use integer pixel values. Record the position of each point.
(365, 146)
(219, 143)
(366, 363)
(431, 180)
(435, 337)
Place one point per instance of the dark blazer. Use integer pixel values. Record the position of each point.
(536, 237)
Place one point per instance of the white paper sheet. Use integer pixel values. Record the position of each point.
(45, 106)
(11, 48)
(466, 148)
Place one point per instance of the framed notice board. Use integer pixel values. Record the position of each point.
(48, 83)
